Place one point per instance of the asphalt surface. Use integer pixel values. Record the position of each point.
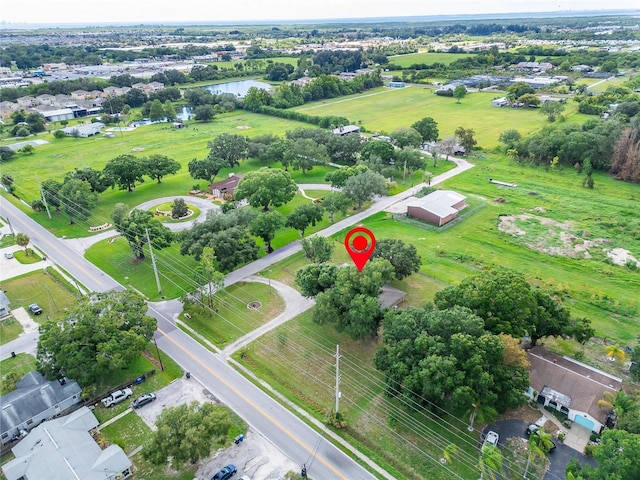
(559, 458)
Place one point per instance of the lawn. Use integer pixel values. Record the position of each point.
(15, 368)
(298, 359)
(386, 109)
(10, 329)
(232, 316)
(42, 288)
(405, 61)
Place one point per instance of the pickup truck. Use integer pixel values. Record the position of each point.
(116, 397)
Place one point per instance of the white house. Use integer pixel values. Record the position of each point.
(571, 387)
(64, 449)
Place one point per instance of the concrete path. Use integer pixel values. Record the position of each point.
(295, 305)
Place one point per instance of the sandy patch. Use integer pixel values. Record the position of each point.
(243, 127)
(556, 239)
(137, 149)
(620, 256)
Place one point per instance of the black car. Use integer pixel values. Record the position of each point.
(35, 309)
(142, 400)
(226, 473)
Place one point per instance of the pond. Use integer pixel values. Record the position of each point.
(239, 88)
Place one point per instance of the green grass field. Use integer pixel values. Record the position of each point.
(405, 61)
(386, 109)
(13, 369)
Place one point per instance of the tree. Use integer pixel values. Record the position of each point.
(157, 166)
(490, 462)
(6, 154)
(317, 249)
(135, 227)
(614, 351)
(22, 239)
(406, 137)
(98, 337)
(265, 226)
(552, 110)
(168, 110)
(410, 159)
(621, 402)
(179, 208)
(77, 200)
(316, 278)
(480, 411)
(304, 216)
(94, 177)
(7, 181)
(467, 138)
(204, 113)
(587, 169)
(352, 303)
(510, 138)
(459, 93)
(50, 190)
(403, 256)
(304, 153)
(338, 177)
(428, 129)
(378, 148)
(124, 171)
(214, 279)
(529, 99)
(189, 433)
(448, 358)
(335, 202)
(230, 148)
(266, 187)
(206, 169)
(364, 186)
(156, 112)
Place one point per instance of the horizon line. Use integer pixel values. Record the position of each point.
(271, 21)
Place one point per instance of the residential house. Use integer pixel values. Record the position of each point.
(46, 99)
(112, 91)
(7, 109)
(439, 207)
(79, 94)
(226, 186)
(27, 102)
(346, 130)
(58, 115)
(65, 449)
(84, 131)
(34, 400)
(571, 387)
(4, 305)
(155, 86)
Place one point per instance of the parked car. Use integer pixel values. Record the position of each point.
(142, 400)
(8, 255)
(491, 439)
(35, 309)
(226, 473)
(117, 397)
(533, 430)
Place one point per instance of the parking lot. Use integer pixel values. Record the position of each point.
(256, 457)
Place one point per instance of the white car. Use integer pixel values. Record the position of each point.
(491, 439)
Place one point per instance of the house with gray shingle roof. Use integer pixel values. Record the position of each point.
(64, 449)
(34, 400)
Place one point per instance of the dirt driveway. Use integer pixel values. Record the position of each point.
(256, 457)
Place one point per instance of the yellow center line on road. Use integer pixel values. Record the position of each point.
(253, 405)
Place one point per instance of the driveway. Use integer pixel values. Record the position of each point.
(559, 458)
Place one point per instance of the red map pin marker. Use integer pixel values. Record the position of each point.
(360, 244)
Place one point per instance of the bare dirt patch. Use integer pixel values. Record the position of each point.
(546, 235)
(137, 149)
(243, 127)
(620, 256)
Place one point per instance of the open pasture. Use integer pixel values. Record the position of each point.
(429, 58)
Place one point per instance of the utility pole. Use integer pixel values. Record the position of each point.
(338, 394)
(153, 261)
(44, 199)
(13, 234)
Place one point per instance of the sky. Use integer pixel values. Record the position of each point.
(167, 11)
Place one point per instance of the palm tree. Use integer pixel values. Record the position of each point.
(482, 412)
(615, 351)
(490, 462)
(512, 153)
(448, 452)
(620, 401)
(539, 445)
